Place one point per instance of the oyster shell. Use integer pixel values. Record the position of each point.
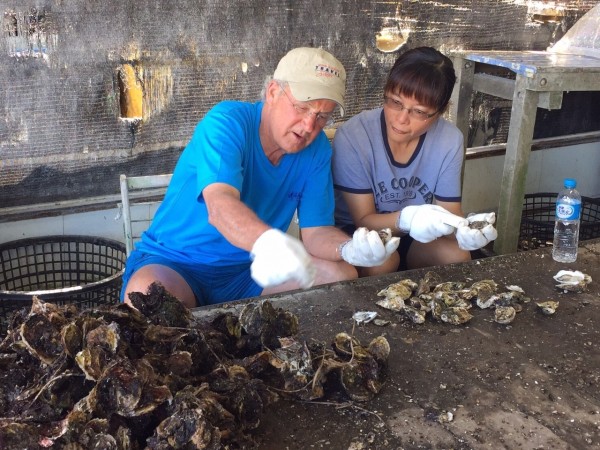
(414, 314)
(364, 316)
(572, 280)
(449, 286)
(379, 348)
(421, 303)
(504, 314)
(427, 283)
(345, 345)
(40, 333)
(548, 307)
(385, 234)
(452, 299)
(455, 315)
(396, 294)
(361, 377)
(265, 323)
(485, 284)
(160, 307)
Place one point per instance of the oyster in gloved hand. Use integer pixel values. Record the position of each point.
(478, 232)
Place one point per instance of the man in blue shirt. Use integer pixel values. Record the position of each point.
(219, 234)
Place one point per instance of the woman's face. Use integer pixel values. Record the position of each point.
(406, 119)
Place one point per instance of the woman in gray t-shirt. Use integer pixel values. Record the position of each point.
(402, 154)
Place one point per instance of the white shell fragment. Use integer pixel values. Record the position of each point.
(381, 322)
(364, 316)
(515, 288)
(446, 417)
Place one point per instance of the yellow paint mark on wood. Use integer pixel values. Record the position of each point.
(131, 92)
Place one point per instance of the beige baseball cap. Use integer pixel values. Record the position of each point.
(313, 74)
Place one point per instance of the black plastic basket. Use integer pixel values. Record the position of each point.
(537, 220)
(82, 270)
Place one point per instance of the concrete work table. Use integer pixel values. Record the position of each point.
(529, 385)
(538, 80)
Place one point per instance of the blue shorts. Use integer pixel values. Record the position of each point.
(211, 284)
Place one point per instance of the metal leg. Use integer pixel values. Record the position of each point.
(518, 149)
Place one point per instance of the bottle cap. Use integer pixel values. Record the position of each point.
(570, 183)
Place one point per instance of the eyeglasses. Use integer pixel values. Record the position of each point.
(412, 112)
(322, 119)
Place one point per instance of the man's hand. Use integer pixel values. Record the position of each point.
(478, 233)
(279, 257)
(425, 223)
(366, 249)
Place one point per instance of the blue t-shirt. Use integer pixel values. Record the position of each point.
(226, 148)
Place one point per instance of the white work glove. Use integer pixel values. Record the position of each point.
(366, 249)
(426, 223)
(278, 257)
(474, 238)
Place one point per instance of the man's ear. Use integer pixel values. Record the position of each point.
(272, 91)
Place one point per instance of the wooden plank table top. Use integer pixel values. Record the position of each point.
(528, 385)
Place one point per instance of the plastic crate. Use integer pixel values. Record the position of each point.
(82, 270)
(537, 220)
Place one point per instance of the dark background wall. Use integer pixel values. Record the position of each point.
(63, 133)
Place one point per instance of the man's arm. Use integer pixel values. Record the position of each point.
(277, 257)
(228, 214)
(324, 242)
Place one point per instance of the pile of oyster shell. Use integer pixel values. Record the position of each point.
(451, 301)
(155, 376)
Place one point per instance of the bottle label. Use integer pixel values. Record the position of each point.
(565, 211)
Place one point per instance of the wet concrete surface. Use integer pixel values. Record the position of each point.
(533, 384)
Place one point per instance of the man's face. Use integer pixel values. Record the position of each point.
(293, 125)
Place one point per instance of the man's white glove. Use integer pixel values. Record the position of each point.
(426, 223)
(478, 233)
(278, 257)
(366, 249)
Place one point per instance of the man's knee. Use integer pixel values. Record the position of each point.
(172, 281)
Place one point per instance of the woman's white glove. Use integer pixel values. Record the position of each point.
(426, 223)
(278, 257)
(474, 236)
(366, 249)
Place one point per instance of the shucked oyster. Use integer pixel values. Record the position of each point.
(572, 280)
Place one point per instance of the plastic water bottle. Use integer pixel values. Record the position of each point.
(566, 225)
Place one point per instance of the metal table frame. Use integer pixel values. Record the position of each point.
(540, 80)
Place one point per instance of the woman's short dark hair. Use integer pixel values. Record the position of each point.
(425, 74)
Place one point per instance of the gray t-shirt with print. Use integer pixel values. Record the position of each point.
(362, 163)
